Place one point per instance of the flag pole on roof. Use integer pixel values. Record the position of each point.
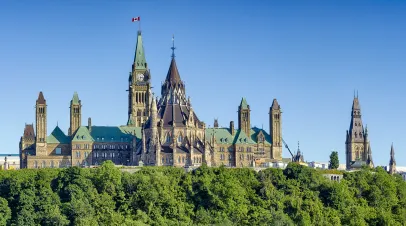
(139, 20)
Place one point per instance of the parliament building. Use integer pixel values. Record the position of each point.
(160, 131)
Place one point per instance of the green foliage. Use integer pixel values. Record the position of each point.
(334, 162)
(297, 195)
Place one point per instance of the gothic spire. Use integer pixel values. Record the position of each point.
(275, 105)
(139, 56)
(243, 104)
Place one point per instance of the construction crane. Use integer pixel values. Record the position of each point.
(287, 147)
(296, 157)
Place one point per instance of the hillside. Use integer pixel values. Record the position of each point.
(221, 196)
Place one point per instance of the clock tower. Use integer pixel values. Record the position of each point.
(139, 87)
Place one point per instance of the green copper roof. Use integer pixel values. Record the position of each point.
(75, 99)
(223, 136)
(254, 135)
(243, 103)
(242, 138)
(82, 134)
(139, 58)
(57, 137)
(115, 133)
(130, 121)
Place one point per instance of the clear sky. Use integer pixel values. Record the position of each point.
(310, 55)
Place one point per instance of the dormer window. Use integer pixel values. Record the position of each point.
(102, 138)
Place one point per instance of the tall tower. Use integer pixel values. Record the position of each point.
(139, 96)
(392, 161)
(357, 142)
(244, 122)
(41, 125)
(275, 130)
(75, 114)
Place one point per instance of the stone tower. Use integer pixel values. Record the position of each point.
(392, 161)
(275, 130)
(244, 117)
(357, 142)
(41, 125)
(75, 114)
(139, 96)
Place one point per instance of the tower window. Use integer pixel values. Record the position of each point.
(180, 138)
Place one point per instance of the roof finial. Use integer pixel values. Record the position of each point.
(173, 46)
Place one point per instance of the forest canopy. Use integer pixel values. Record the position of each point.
(297, 195)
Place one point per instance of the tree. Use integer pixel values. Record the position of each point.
(334, 163)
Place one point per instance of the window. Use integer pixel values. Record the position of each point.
(52, 164)
(102, 138)
(43, 165)
(180, 139)
(77, 146)
(86, 153)
(77, 163)
(35, 164)
(168, 138)
(77, 154)
(58, 151)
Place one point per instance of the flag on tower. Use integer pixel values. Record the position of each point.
(136, 19)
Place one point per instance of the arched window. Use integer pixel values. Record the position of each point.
(168, 138)
(52, 164)
(180, 138)
(35, 164)
(356, 135)
(43, 164)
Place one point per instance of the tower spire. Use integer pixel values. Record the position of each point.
(173, 46)
(392, 161)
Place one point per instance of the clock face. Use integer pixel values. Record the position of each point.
(140, 77)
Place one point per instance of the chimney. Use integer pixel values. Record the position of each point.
(89, 124)
(232, 127)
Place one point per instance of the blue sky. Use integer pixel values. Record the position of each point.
(310, 55)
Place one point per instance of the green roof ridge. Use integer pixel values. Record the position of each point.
(75, 99)
(242, 138)
(243, 103)
(57, 137)
(139, 57)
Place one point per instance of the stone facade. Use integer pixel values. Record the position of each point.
(164, 131)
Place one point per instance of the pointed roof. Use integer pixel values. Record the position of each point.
(82, 134)
(355, 104)
(392, 155)
(75, 99)
(369, 157)
(57, 137)
(139, 56)
(173, 76)
(29, 131)
(41, 99)
(243, 104)
(275, 105)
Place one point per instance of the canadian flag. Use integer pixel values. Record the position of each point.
(136, 19)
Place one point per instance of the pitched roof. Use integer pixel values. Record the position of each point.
(29, 131)
(58, 137)
(139, 56)
(75, 99)
(115, 133)
(243, 104)
(224, 136)
(275, 105)
(82, 134)
(41, 99)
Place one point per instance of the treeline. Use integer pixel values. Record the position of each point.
(207, 196)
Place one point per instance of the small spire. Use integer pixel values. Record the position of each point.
(243, 104)
(173, 46)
